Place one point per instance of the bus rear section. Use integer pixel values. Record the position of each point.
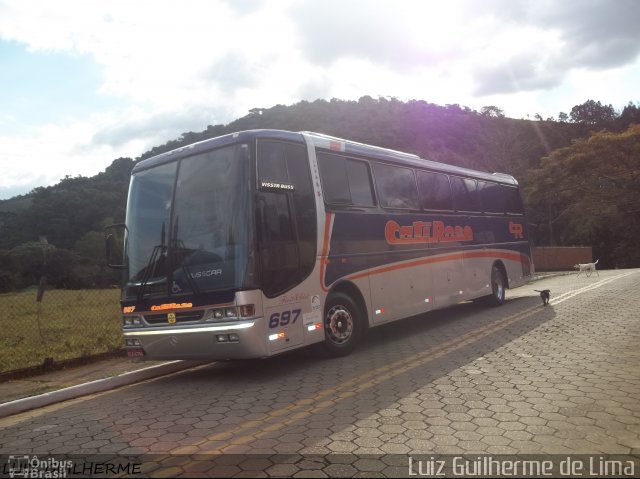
(412, 235)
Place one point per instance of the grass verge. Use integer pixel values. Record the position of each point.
(67, 324)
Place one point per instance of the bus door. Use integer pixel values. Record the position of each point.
(286, 217)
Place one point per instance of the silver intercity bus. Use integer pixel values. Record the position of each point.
(260, 242)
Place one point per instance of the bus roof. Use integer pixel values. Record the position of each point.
(217, 142)
(319, 140)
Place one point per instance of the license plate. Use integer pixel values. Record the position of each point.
(135, 352)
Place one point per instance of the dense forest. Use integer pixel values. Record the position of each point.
(580, 176)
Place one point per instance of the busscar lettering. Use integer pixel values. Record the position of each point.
(207, 273)
(425, 232)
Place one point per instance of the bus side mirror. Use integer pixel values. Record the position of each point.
(114, 254)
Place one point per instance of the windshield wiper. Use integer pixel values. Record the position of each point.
(177, 244)
(150, 268)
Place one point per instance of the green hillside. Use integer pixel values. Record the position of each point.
(57, 231)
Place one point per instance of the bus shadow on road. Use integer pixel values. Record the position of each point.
(400, 359)
(427, 328)
(467, 316)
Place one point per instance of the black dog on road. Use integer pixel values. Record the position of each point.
(545, 295)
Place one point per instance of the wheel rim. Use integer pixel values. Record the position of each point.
(339, 325)
(498, 285)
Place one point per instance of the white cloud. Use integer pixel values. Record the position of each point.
(179, 66)
(51, 152)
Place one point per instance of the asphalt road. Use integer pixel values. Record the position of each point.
(519, 379)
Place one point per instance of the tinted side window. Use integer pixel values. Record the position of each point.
(435, 191)
(335, 184)
(466, 194)
(359, 183)
(493, 197)
(513, 201)
(396, 186)
(345, 181)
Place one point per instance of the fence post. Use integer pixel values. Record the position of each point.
(41, 288)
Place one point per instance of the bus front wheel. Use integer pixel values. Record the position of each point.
(342, 325)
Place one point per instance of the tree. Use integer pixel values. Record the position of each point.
(588, 193)
(630, 115)
(9, 267)
(492, 111)
(592, 113)
(31, 261)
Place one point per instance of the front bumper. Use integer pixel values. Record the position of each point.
(242, 340)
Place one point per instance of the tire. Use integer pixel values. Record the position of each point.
(342, 325)
(498, 288)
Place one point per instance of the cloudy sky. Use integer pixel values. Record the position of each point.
(84, 82)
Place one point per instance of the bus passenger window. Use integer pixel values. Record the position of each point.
(466, 194)
(335, 184)
(493, 199)
(396, 186)
(359, 183)
(435, 191)
(513, 201)
(345, 181)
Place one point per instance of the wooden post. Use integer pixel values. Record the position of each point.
(41, 288)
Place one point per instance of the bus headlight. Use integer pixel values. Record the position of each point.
(230, 313)
(131, 321)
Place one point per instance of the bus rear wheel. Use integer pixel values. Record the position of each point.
(498, 287)
(342, 325)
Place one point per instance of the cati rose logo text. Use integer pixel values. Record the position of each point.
(426, 232)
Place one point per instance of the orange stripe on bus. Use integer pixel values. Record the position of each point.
(325, 249)
(487, 254)
(438, 259)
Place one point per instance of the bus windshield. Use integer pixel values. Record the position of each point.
(189, 226)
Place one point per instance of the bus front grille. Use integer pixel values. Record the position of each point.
(180, 317)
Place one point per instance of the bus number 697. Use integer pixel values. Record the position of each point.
(284, 318)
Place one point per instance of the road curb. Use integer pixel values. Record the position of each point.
(93, 387)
